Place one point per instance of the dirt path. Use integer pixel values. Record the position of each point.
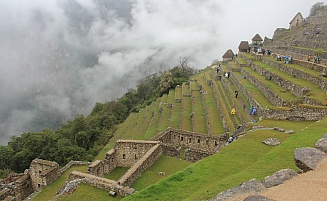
(305, 187)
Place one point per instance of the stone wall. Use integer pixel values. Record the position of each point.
(268, 92)
(4, 193)
(289, 86)
(320, 81)
(110, 162)
(102, 183)
(71, 163)
(43, 172)
(194, 155)
(301, 113)
(141, 165)
(96, 168)
(128, 152)
(23, 188)
(171, 151)
(203, 142)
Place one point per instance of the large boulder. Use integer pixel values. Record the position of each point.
(308, 158)
(271, 141)
(257, 198)
(278, 177)
(322, 145)
(252, 186)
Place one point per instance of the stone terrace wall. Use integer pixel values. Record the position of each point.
(171, 151)
(320, 81)
(194, 155)
(43, 172)
(246, 93)
(143, 164)
(128, 152)
(289, 86)
(270, 94)
(102, 183)
(96, 168)
(4, 193)
(222, 116)
(308, 113)
(110, 162)
(203, 142)
(23, 187)
(71, 163)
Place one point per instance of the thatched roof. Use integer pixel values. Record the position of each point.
(244, 45)
(257, 37)
(296, 16)
(229, 54)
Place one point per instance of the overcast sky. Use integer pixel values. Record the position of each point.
(59, 57)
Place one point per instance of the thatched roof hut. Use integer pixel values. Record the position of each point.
(256, 40)
(228, 56)
(244, 46)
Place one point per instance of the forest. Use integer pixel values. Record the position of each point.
(83, 138)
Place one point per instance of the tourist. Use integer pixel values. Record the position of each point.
(244, 106)
(254, 111)
(309, 57)
(251, 110)
(236, 94)
(233, 111)
(291, 59)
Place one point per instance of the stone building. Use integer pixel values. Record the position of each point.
(43, 173)
(296, 21)
(228, 56)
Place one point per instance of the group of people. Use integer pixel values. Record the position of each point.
(316, 58)
(262, 50)
(253, 110)
(287, 59)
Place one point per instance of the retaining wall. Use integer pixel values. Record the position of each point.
(140, 166)
(102, 183)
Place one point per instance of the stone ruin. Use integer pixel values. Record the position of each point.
(40, 174)
(139, 155)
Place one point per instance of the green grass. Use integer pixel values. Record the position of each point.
(235, 163)
(175, 116)
(86, 193)
(116, 173)
(287, 96)
(165, 115)
(199, 121)
(255, 92)
(186, 122)
(186, 89)
(152, 128)
(212, 112)
(168, 165)
(50, 191)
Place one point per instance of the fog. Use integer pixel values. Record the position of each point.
(59, 57)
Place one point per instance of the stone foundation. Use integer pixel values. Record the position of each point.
(102, 183)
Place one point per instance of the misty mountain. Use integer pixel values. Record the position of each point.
(59, 57)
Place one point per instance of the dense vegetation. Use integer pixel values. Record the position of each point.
(83, 137)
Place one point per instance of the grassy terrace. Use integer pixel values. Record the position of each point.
(233, 64)
(225, 67)
(255, 92)
(186, 120)
(164, 119)
(210, 106)
(241, 60)
(148, 118)
(239, 101)
(152, 128)
(316, 92)
(130, 133)
(175, 115)
(223, 103)
(236, 163)
(199, 121)
(50, 191)
(287, 96)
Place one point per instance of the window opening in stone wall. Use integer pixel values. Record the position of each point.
(112, 160)
(38, 185)
(198, 140)
(216, 143)
(181, 138)
(207, 142)
(39, 171)
(135, 156)
(190, 140)
(124, 156)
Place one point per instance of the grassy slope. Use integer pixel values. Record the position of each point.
(236, 163)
